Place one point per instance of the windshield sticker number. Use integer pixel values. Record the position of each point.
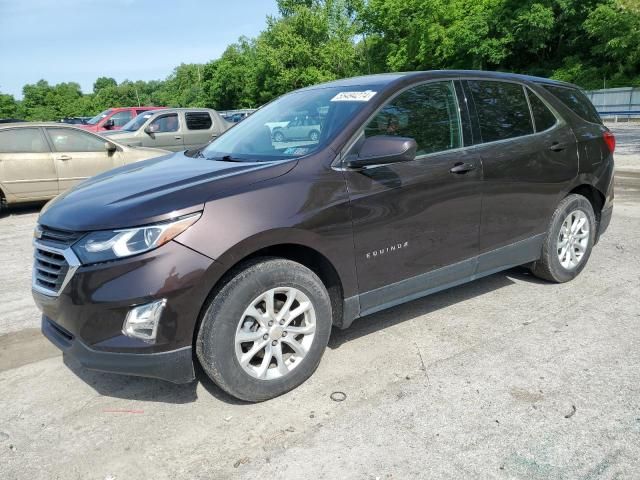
(296, 151)
(354, 96)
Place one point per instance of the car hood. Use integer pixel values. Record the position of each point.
(151, 191)
(116, 133)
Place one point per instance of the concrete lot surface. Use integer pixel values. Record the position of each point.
(506, 377)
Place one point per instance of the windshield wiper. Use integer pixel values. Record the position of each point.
(226, 158)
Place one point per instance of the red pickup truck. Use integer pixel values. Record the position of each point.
(114, 118)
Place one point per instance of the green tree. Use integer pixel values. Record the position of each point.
(311, 44)
(231, 80)
(8, 106)
(104, 82)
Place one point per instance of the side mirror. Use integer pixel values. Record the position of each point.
(148, 130)
(383, 150)
(110, 147)
(109, 123)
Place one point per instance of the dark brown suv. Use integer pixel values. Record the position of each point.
(243, 255)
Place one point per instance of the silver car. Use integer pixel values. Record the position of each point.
(40, 160)
(173, 129)
(302, 127)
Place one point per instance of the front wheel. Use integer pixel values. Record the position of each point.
(265, 331)
(570, 238)
(278, 136)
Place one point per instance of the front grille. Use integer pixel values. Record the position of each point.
(58, 238)
(50, 269)
(54, 262)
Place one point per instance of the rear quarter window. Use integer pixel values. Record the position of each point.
(198, 120)
(576, 101)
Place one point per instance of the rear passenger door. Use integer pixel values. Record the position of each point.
(529, 157)
(199, 129)
(27, 170)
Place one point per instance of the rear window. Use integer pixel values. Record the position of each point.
(198, 120)
(502, 109)
(576, 101)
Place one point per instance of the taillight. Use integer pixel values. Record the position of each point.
(610, 140)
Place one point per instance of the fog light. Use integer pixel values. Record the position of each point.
(142, 322)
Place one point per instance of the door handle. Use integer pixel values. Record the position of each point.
(460, 168)
(178, 137)
(64, 157)
(556, 147)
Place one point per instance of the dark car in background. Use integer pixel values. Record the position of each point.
(243, 257)
(75, 120)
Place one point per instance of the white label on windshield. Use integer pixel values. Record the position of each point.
(354, 96)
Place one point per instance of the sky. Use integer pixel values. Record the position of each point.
(81, 40)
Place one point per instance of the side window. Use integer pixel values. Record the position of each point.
(22, 140)
(165, 123)
(71, 140)
(427, 113)
(576, 101)
(198, 120)
(502, 109)
(120, 118)
(543, 118)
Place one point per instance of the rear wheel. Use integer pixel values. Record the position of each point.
(265, 331)
(570, 238)
(3, 205)
(314, 135)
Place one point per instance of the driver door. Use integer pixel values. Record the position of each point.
(79, 155)
(165, 132)
(416, 224)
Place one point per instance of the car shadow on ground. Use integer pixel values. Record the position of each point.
(429, 304)
(22, 209)
(152, 390)
(148, 389)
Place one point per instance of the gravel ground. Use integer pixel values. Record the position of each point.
(506, 377)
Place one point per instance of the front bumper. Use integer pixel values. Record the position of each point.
(174, 366)
(86, 318)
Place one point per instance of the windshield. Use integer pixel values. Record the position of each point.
(134, 124)
(99, 117)
(291, 126)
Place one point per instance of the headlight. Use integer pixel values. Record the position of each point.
(106, 245)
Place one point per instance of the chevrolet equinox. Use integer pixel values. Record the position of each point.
(243, 255)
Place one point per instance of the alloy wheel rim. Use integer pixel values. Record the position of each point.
(275, 333)
(573, 239)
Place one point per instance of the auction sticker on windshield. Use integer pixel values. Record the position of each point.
(354, 96)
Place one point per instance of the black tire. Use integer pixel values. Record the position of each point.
(549, 266)
(4, 209)
(314, 135)
(278, 136)
(215, 343)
